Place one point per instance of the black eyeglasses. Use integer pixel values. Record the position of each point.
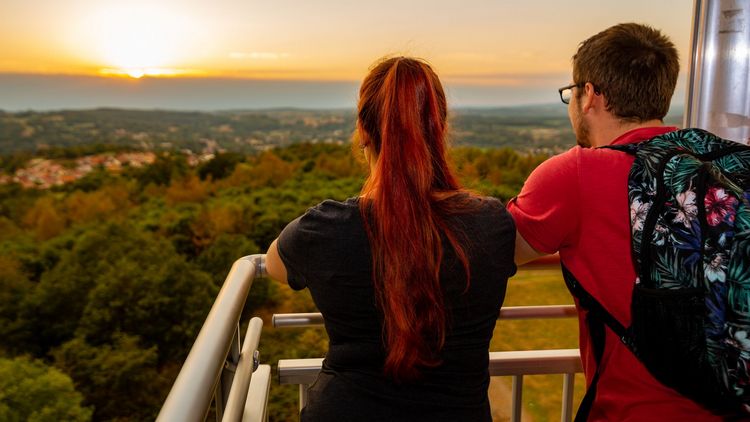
(566, 92)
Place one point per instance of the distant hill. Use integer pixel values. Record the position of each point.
(543, 128)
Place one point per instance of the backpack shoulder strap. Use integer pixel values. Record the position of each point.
(631, 149)
(588, 302)
(596, 318)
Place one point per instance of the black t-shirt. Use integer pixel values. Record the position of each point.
(327, 251)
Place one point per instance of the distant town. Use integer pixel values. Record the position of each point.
(43, 173)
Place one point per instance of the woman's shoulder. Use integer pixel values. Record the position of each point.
(489, 215)
(487, 206)
(331, 209)
(330, 218)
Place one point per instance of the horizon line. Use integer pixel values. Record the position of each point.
(282, 108)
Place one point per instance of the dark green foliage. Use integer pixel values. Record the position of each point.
(120, 379)
(221, 166)
(15, 201)
(89, 183)
(14, 286)
(217, 259)
(115, 291)
(118, 279)
(9, 163)
(34, 392)
(162, 171)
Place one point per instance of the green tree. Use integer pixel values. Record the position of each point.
(217, 259)
(116, 277)
(31, 391)
(267, 169)
(120, 380)
(14, 285)
(221, 166)
(162, 170)
(155, 295)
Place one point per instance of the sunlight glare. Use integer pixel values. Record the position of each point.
(136, 73)
(139, 39)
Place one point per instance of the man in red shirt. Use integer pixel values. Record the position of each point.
(576, 203)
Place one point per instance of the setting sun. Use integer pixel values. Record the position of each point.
(140, 40)
(140, 72)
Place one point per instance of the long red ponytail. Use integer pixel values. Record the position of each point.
(402, 118)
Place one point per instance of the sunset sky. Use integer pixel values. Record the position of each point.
(515, 50)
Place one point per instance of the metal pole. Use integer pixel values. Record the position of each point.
(718, 91)
(517, 401)
(303, 396)
(230, 368)
(567, 397)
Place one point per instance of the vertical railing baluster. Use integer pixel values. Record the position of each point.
(517, 395)
(302, 396)
(218, 394)
(230, 366)
(567, 397)
(515, 364)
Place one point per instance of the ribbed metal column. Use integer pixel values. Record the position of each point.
(718, 92)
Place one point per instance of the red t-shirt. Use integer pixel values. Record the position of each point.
(576, 203)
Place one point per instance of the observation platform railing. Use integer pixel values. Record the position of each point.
(515, 364)
(221, 368)
(224, 370)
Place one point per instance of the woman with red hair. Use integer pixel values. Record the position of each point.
(410, 275)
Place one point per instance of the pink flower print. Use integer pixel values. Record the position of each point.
(638, 213)
(687, 210)
(719, 205)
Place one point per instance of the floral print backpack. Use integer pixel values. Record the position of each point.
(689, 195)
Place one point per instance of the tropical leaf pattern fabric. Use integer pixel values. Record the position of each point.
(689, 194)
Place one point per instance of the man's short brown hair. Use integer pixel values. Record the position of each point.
(634, 66)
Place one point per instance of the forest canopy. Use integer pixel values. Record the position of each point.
(105, 282)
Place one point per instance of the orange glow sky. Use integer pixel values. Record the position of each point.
(494, 42)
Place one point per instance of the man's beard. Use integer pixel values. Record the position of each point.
(581, 129)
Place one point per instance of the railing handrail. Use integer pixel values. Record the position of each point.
(535, 362)
(510, 313)
(191, 394)
(508, 363)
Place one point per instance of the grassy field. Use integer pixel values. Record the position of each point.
(542, 394)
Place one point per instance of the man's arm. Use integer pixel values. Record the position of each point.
(546, 211)
(524, 251)
(274, 265)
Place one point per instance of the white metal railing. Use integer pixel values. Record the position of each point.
(217, 367)
(512, 312)
(515, 364)
(221, 368)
